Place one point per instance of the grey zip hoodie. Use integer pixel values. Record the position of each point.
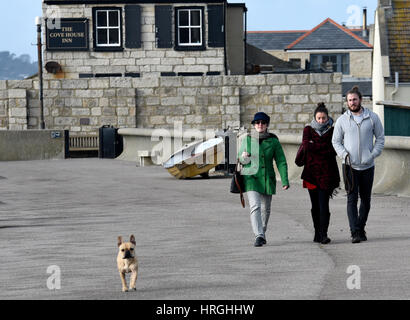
(357, 139)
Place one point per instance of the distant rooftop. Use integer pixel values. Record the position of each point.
(327, 35)
(273, 40)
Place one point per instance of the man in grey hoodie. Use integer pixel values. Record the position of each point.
(353, 142)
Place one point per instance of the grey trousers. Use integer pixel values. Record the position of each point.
(260, 205)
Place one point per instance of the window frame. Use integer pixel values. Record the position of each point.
(107, 47)
(191, 46)
(339, 61)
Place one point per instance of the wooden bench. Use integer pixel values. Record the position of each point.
(84, 142)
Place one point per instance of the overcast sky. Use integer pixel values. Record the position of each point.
(18, 32)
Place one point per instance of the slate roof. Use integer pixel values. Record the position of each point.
(327, 35)
(398, 33)
(359, 33)
(273, 40)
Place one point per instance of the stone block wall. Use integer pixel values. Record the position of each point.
(196, 102)
(81, 106)
(13, 107)
(361, 64)
(210, 102)
(290, 99)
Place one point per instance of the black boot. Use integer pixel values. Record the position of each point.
(259, 242)
(324, 226)
(355, 237)
(325, 239)
(316, 225)
(362, 235)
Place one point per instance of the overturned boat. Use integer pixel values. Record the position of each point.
(196, 158)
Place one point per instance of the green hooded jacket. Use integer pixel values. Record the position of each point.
(258, 173)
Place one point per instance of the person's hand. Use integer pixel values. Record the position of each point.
(285, 187)
(245, 155)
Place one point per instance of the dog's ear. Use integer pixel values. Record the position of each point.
(119, 240)
(132, 240)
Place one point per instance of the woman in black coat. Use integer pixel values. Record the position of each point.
(320, 174)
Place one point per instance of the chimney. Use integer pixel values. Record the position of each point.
(364, 27)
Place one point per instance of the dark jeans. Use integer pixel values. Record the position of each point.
(362, 186)
(320, 210)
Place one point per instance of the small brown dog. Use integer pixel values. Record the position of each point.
(127, 262)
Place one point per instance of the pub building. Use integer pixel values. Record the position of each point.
(139, 38)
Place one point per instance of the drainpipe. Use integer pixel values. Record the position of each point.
(225, 55)
(245, 40)
(40, 71)
(396, 85)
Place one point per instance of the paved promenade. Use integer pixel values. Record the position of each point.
(194, 240)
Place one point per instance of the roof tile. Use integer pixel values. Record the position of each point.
(329, 35)
(398, 29)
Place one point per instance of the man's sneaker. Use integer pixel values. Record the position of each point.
(355, 237)
(259, 242)
(362, 235)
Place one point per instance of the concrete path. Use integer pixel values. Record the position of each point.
(194, 240)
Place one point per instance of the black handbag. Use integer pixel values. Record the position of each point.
(237, 184)
(348, 175)
(301, 155)
(300, 159)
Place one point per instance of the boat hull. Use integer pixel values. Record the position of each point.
(199, 163)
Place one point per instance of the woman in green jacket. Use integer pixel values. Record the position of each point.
(256, 155)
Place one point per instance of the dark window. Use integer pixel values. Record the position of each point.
(189, 28)
(339, 62)
(107, 28)
(345, 64)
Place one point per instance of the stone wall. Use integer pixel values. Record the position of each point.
(361, 64)
(290, 99)
(13, 107)
(209, 102)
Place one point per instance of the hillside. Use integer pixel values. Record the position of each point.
(16, 68)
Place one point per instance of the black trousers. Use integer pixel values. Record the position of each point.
(362, 186)
(320, 210)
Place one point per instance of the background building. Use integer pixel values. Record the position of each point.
(391, 66)
(139, 38)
